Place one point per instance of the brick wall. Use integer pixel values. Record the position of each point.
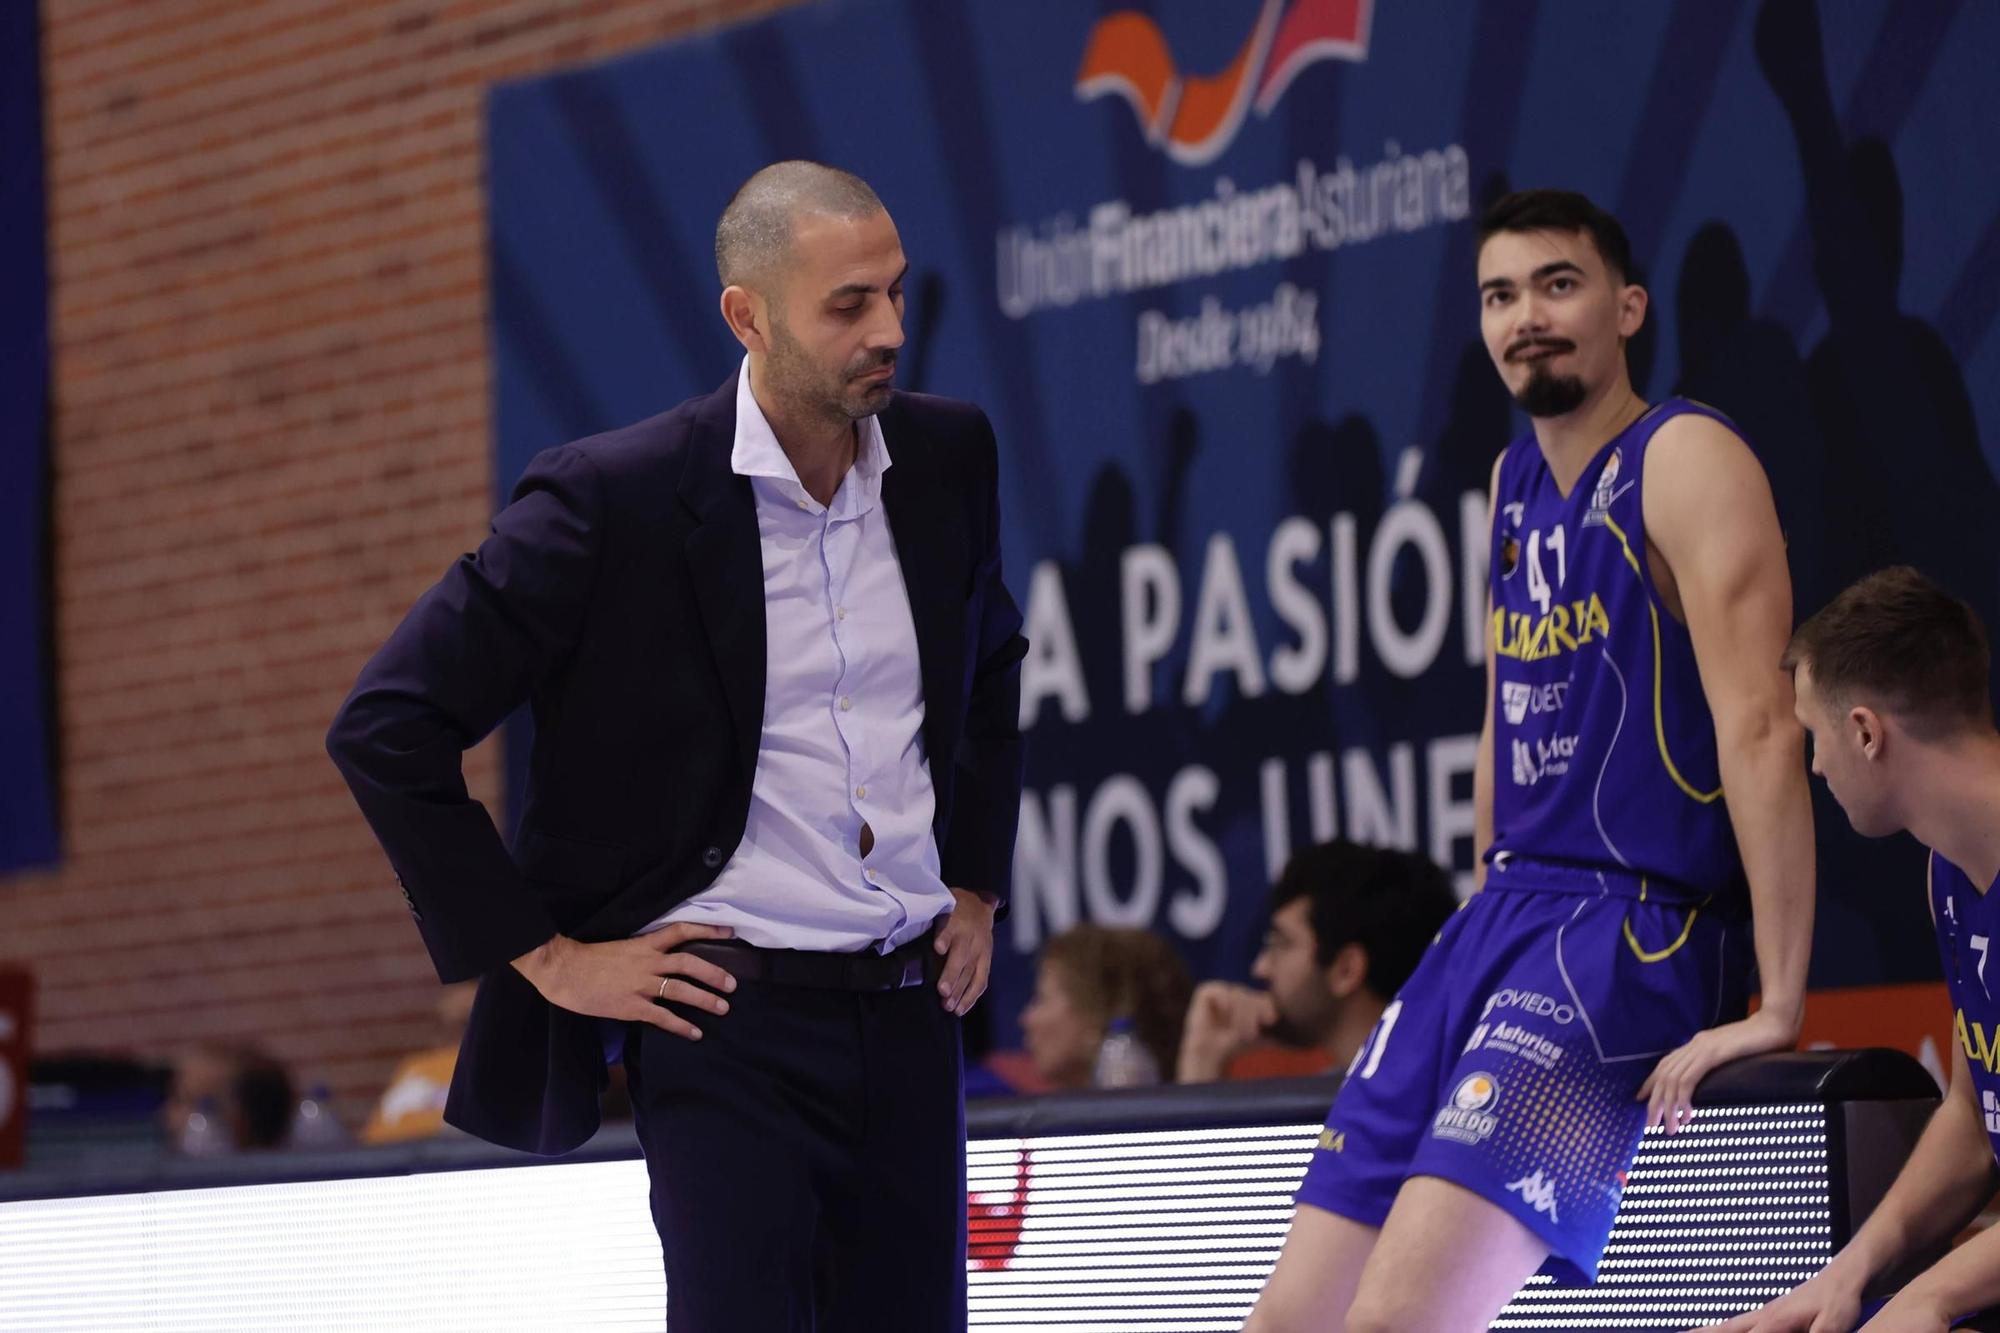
(272, 401)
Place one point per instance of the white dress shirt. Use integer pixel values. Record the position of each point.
(842, 740)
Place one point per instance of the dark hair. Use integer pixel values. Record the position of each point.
(1119, 972)
(1899, 639)
(264, 1100)
(1562, 210)
(1389, 902)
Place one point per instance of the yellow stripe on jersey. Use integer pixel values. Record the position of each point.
(1658, 955)
(1659, 711)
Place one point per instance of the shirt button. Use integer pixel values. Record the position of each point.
(712, 857)
(860, 793)
(802, 504)
(840, 613)
(845, 703)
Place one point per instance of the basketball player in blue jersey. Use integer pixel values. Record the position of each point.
(1892, 684)
(1639, 606)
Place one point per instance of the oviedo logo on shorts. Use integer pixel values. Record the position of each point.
(1194, 118)
(1531, 1002)
(1469, 1118)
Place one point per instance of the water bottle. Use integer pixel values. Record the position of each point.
(1123, 1060)
(205, 1133)
(314, 1125)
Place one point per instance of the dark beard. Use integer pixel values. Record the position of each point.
(1546, 395)
(793, 377)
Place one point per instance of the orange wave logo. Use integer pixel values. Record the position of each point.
(1194, 118)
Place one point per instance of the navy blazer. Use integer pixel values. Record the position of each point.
(621, 594)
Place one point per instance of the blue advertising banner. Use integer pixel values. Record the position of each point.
(27, 715)
(1209, 268)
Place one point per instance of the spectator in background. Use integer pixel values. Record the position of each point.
(1090, 977)
(1347, 926)
(245, 1091)
(412, 1104)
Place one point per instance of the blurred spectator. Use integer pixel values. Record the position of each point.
(412, 1105)
(249, 1091)
(1090, 976)
(1347, 926)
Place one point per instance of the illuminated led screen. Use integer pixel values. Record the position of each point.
(1113, 1233)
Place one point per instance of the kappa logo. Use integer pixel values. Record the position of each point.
(1538, 1192)
(1194, 118)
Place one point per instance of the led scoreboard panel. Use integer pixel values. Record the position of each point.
(1116, 1212)
(1176, 1230)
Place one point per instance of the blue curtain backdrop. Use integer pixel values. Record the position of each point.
(1231, 351)
(27, 715)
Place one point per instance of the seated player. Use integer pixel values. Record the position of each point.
(1893, 685)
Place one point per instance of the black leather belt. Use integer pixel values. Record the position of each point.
(866, 971)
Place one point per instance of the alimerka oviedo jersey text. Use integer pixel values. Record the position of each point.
(1603, 748)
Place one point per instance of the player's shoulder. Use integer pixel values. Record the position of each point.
(1699, 466)
(1696, 437)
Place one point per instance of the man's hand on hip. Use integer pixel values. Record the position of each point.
(624, 978)
(966, 941)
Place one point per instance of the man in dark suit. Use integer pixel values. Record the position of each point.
(770, 810)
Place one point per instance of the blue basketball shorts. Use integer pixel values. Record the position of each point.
(1510, 1061)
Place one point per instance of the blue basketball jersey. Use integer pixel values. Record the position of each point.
(1968, 921)
(1509, 1062)
(1604, 755)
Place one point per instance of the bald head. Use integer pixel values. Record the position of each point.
(753, 241)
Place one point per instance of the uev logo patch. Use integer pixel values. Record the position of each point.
(1194, 118)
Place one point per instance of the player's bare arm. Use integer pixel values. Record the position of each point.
(1718, 559)
(1482, 768)
(1948, 1179)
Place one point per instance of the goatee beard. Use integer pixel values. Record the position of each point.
(1546, 395)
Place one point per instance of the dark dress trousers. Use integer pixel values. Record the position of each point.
(621, 595)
